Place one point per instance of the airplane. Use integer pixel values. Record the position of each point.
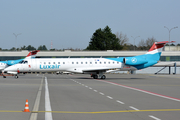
(5, 64)
(96, 67)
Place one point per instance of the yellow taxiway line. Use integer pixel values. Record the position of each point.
(122, 111)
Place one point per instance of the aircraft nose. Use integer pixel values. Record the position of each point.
(10, 68)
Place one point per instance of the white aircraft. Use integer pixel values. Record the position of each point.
(5, 64)
(96, 67)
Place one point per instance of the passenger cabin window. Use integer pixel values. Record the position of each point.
(63, 62)
(104, 62)
(109, 62)
(117, 62)
(49, 62)
(72, 62)
(44, 62)
(76, 62)
(95, 62)
(54, 63)
(81, 62)
(58, 62)
(90, 62)
(86, 62)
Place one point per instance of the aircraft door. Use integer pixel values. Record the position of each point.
(33, 64)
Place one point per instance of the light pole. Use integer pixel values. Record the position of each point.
(16, 38)
(134, 41)
(169, 33)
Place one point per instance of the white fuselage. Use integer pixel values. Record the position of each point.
(77, 65)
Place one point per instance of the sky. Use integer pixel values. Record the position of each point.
(71, 23)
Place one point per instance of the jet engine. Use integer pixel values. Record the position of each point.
(134, 61)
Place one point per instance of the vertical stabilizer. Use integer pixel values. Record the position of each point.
(32, 54)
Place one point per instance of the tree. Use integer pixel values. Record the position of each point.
(150, 42)
(146, 45)
(104, 39)
(123, 39)
(142, 45)
(29, 47)
(13, 49)
(42, 48)
(172, 44)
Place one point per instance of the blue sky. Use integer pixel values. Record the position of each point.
(71, 23)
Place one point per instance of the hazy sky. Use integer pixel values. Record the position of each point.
(71, 23)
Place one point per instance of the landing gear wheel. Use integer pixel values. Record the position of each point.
(4, 76)
(95, 76)
(16, 76)
(103, 77)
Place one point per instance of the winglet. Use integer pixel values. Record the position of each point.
(158, 45)
(32, 54)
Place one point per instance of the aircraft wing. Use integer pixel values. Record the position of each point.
(83, 70)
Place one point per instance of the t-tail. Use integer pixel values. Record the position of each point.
(149, 59)
(32, 54)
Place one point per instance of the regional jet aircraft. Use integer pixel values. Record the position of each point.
(96, 67)
(5, 64)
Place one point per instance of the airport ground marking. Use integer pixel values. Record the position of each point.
(144, 91)
(48, 115)
(101, 93)
(119, 102)
(134, 108)
(96, 112)
(154, 117)
(36, 104)
(109, 97)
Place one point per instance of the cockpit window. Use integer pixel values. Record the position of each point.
(23, 62)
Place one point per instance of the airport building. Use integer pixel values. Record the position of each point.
(169, 61)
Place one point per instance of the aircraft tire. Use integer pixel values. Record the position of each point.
(4, 76)
(95, 76)
(103, 77)
(16, 76)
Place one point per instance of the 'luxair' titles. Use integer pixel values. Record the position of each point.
(49, 66)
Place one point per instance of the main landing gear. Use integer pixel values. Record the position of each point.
(95, 76)
(16, 76)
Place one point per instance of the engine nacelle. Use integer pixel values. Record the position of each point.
(134, 61)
